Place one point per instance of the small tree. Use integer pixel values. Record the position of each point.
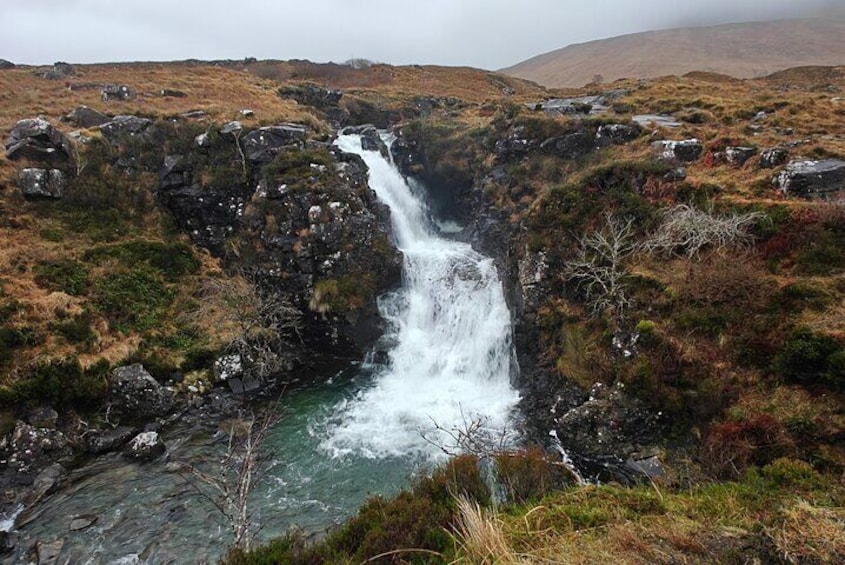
(258, 323)
(227, 485)
(600, 266)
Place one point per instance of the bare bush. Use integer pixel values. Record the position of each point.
(687, 230)
(600, 266)
(258, 323)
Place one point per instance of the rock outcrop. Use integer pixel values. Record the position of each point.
(37, 140)
(42, 183)
(85, 117)
(136, 396)
(263, 144)
(819, 179)
(685, 151)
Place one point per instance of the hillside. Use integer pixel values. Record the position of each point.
(744, 50)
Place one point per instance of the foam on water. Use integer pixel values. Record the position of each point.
(453, 357)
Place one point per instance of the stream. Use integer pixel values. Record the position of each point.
(365, 431)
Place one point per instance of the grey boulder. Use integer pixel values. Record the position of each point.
(37, 140)
(85, 117)
(136, 395)
(122, 128)
(685, 151)
(773, 157)
(813, 178)
(738, 156)
(263, 144)
(145, 446)
(118, 92)
(42, 183)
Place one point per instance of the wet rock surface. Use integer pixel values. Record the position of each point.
(124, 128)
(819, 179)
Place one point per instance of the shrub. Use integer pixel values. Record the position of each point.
(77, 329)
(807, 358)
(731, 447)
(68, 276)
(63, 384)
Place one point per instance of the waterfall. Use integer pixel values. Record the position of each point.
(450, 366)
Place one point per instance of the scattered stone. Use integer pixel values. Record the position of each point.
(202, 140)
(774, 157)
(6, 65)
(119, 92)
(60, 70)
(676, 175)
(247, 113)
(171, 93)
(656, 120)
(44, 417)
(135, 394)
(35, 139)
(232, 128)
(123, 127)
(108, 440)
(195, 115)
(144, 447)
(617, 134)
(813, 178)
(48, 553)
(263, 144)
(85, 117)
(82, 522)
(685, 151)
(42, 183)
(738, 156)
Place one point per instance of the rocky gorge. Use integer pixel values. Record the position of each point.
(279, 207)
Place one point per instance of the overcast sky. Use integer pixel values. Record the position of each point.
(481, 33)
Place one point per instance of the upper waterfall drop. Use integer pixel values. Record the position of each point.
(453, 356)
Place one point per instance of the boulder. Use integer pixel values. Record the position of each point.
(738, 156)
(247, 113)
(370, 138)
(117, 92)
(175, 173)
(570, 146)
(123, 127)
(136, 395)
(171, 93)
(108, 440)
(85, 117)
(195, 115)
(6, 65)
(685, 151)
(773, 157)
(312, 95)
(146, 446)
(813, 178)
(656, 120)
(263, 144)
(35, 139)
(228, 367)
(42, 183)
(59, 71)
(29, 449)
(617, 134)
(677, 174)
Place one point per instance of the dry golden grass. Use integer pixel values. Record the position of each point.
(810, 534)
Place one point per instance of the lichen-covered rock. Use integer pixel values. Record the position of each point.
(144, 447)
(121, 92)
(570, 146)
(27, 449)
(124, 127)
(617, 134)
(85, 117)
(773, 157)
(685, 151)
(37, 140)
(738, 156)
(136, 395)
(263, 144)
(42, 183)
(813, 178)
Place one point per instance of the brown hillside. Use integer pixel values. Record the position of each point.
(746, 50)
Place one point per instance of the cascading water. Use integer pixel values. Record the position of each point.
(451, 364)
(340, 440)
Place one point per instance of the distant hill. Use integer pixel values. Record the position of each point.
(744, 50)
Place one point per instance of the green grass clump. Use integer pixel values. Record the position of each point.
(134, 299)
(172, 260)
(63, 384)
(68, 276)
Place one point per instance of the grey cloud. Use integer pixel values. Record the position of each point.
(481, 33)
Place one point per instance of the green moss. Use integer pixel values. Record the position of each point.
(68, 276)
(132, 299)
(172, 260)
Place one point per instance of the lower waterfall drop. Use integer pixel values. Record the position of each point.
(451, 363)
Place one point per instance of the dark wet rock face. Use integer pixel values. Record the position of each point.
(819, 179)
(569, 146)
(105, 441)
(36, 140)
(312, 95)
(136, 395)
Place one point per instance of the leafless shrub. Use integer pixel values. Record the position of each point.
(228, 484)
(473, 436)
(688, 230)
(600, 266)
(259, 323)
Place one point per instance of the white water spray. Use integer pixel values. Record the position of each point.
(451, 364)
